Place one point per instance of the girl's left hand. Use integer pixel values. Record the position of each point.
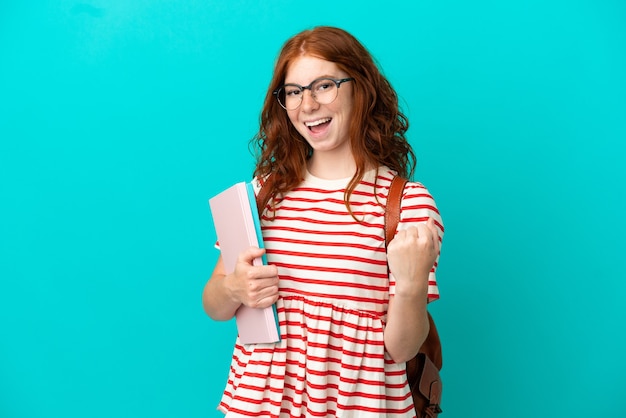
(411, 256)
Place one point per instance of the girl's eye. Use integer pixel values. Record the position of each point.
(293, 91)
(323, 86)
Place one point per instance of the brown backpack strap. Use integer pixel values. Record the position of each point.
(262, 196)
(392, 210)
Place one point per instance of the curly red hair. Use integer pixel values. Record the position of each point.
(377, 128)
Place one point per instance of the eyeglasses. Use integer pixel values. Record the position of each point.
(323, 90)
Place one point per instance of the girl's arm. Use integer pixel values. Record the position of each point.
(411, 256)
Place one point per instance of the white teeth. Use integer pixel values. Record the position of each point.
(317, 122)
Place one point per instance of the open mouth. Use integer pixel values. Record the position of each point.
(318, 125)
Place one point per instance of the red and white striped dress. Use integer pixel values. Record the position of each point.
(334, 292)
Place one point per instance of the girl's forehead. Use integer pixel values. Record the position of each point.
(306, 68)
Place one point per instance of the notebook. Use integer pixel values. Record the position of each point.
(238, 227)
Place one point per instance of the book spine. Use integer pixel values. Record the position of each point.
(256, 219)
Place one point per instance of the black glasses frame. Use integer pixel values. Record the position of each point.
(337, 81)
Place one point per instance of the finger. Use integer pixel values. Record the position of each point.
(413, 232)
(399, 237)
(262, 276)
(250, 254)
(434, 231)
(261, 289)
(266, 301)
(432, 227)
(265, 296)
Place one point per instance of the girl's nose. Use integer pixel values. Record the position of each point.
(308, 102)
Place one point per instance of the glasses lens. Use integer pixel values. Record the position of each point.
(324, 91)
(290, 97)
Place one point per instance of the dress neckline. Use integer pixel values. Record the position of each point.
(339, 183)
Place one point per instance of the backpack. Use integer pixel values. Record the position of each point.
(423, 369)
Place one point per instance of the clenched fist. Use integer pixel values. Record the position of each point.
(411, 256)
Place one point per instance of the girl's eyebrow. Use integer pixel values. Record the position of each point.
(316, 78)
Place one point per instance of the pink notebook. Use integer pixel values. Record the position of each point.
(237, 225)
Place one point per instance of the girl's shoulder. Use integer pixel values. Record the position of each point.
(385, 176)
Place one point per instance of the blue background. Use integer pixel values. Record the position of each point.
(119, 119)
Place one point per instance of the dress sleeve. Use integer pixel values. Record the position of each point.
(417, 206)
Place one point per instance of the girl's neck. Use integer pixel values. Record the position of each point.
(331, 168)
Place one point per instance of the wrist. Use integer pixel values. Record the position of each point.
(414, 289)
(230, 292)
